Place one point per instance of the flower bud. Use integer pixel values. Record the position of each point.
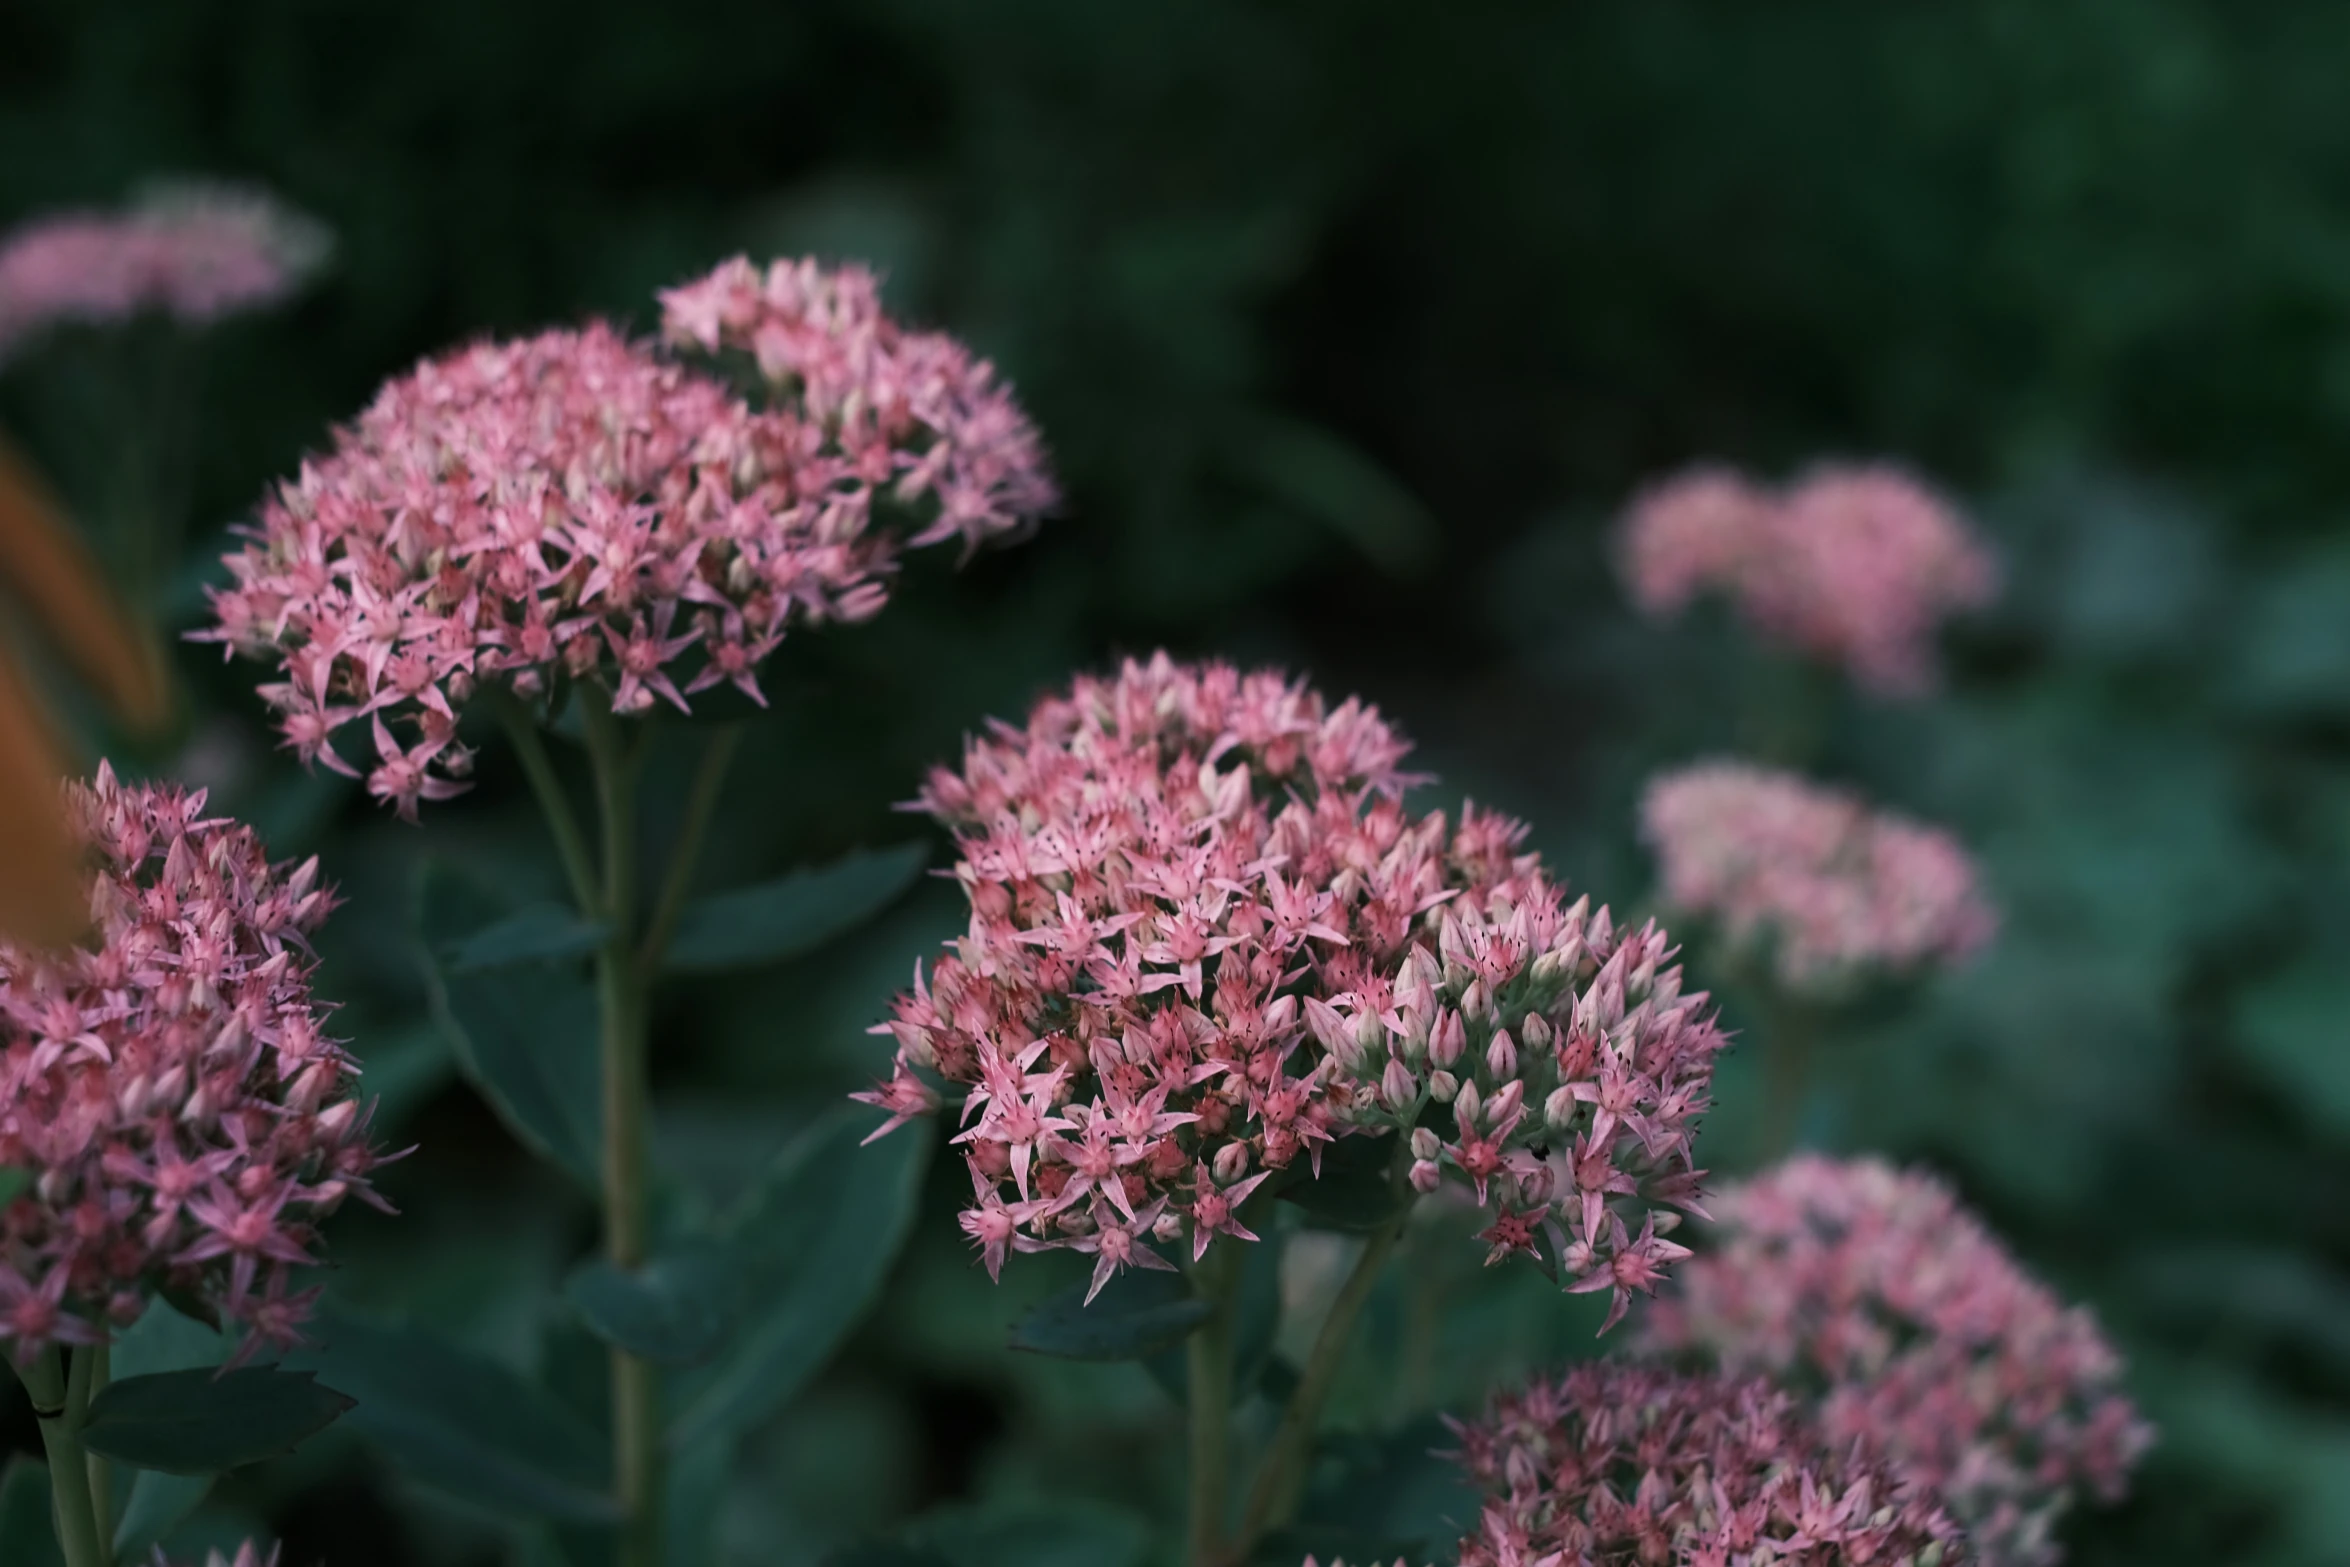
(1535, 1184)
(1536, 1032)
(1425, 1174)
(1501, 1057)
(1449, 1038)
(1465, 1106)
(1477, 1000)
(1168, 1226)
(1397, 1086)
(1558, 1111)
(1425, 1143)
(1505, 1102)
(1231, 1163)
(1442, 1086)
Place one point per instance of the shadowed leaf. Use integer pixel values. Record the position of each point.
(792, 915)
(202, 1422)
(1136, 1315)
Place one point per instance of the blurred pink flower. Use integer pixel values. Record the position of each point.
(1831, 887)
(1853, 565)
(248, 1554)
(1931, 1345)
(1207, 940)
(575, 506)
(185, 1122)
(1618, 1463)
(193, 251)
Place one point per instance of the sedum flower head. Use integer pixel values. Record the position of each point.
(1830, 886)
(1923, 1339)
(575, 505)
(1207, 940)
(1613, 1463)
(1852, 565)
(168, 1088)
(195, 252)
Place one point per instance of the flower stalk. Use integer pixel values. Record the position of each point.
(1216, 1276)
(61, 1397)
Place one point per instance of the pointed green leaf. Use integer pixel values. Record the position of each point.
(525, 1035)
(1136, 1315)
(811, 1247)
(1355, 1191)
(793, 915)
(165, 1339)
(202, 1422)
(464, 1424)
(675, 1310)
(538, 933)
(26, 1535)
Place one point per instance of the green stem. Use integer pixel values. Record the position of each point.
(1209, 1361)
(621, 986)
(701, 804)
(101, 1358)
(60, 1399)
(554, 804)
(1281, 1477)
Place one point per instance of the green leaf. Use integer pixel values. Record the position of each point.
(526, 1037)
(1256, 1320)
(202, 1422)
(2295, 1032)
(1136, 1315)
(1355, 1191)
(1329, 480)
(158, 1504)
(538, 933)
(811, 1248)
(696, 1498)
(14, 1181)
(886, 1554)
(26, 1536)
(1065, 1534)
(164, 1339)
(1391, 1488)
(464, 1424)
(675, 1310)
(794, 914)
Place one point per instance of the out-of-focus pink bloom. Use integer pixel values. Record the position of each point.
(1206, 940)
(574, 506)
(1830, 886)
(1931, 1345)
(1623, 1463)
(185, 1121)
(1853, 565)
(195, 252)
(248, 1554)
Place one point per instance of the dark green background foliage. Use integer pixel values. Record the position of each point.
(1351, 325)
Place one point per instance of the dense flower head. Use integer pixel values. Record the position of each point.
(1614, 1463)
(1855, 565)
(168, 1087)
(1915, 1332)
(1831, 887)
(570, 506)
(1207, 940)
(193, 252)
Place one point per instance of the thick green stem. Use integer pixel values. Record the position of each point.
(701, 804)
(1209, 1355)
(1281, 1477)
(562, 824)
(60, 1400)
(101, 1358)
(621, 986)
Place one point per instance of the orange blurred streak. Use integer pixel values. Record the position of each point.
(43, 896)
(49, 571)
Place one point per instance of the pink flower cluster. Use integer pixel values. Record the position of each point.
(248, 1554)
(1831, 886)
(185, 1122)
(195, 252)
(1614, 1463)
(1854, 565)
(574, 505)
(1931, 1345)
(1207, 939)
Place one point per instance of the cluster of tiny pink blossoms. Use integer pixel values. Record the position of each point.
(1207, 939)
(1926, 1340)
(575, 505)
(1853, 565)
(1615, 1463)
(194, 252)
(185, 1122)
(1830, 886)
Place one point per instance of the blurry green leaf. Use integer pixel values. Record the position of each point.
(202, 1422)
(1390, 1488)
(872, 1554)
(157, 1504)
(13, 1182)
(1356, 1190)
(526, 1037)
(540, 933)
(2295, 638)
(1256, 1320)
(1074, 1533)
(675, 1310)
(811, 1247)
(2295, 1031)
(164, 1339)
(696, 1498)
(1137, 1314)
(464, 1424)
(793, 914)
(1323, 476)
(26, 1536)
